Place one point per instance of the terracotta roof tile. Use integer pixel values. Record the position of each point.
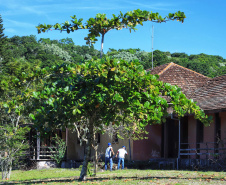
(184, 78)
(212, 95)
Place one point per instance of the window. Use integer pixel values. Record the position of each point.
(199, 136)
(199, 132)
(115, 138)
(217, 128)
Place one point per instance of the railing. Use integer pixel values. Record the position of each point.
(207, 149)
(43, 153)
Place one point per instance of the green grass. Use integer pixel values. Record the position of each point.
(57, 176)
(18, 175)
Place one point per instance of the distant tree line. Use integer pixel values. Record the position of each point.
(208, 65)
(23, 53)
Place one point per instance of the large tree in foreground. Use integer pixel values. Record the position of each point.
(100, 24)
(103, 92)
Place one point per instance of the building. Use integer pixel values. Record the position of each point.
(186, 138)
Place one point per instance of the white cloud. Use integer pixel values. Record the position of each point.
(12, 23)
(10, 30)
(40, 7)
(31, 9)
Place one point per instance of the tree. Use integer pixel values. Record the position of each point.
(179, 55)
(98, 93)
(132, 54)
(2, 37)
(3, 42)
(100, 25)
(56, 50)
(126, 56)
(13, 128)
(159, 58)
(13, 144)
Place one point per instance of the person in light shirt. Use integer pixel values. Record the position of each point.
(121, 156)
(108, 156)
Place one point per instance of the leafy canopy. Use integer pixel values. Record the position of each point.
(100, 24)
(106, 91)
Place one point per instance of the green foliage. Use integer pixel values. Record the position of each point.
(106, 86)
(18, 66)
(25, 54)
(125, 56)
(179, 55)
(12, 139)
(131, 55)
(56, 50)
(3, 41)
(100, 24)
(208, 65)
(59, 151)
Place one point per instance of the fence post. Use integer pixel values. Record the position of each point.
(38, 145)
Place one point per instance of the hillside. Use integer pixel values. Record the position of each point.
(23, 53)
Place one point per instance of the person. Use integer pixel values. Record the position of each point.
(108, 156)
(121, 156)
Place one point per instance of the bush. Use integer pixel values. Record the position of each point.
(59, 152)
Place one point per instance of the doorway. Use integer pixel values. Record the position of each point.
(170, 137)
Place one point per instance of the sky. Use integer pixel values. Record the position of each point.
(204, 29)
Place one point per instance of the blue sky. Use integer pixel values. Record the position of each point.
(204, 29)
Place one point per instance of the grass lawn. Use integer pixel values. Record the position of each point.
(56, 176)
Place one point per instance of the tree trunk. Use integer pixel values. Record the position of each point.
(83, 173)
(95, 162)
(95, 147)
(6, 168)
(3, 166)
(9, 169)
(102, 46)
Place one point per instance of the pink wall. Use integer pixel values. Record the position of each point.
(223, 125)
(209, 131)
(208, 134)
(208, 138)
(192, 133)
(151, 147)
(191, 129)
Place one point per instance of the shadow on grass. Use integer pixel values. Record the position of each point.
(91, 179)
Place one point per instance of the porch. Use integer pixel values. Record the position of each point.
(40, 153)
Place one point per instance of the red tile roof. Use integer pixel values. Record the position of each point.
(184, 78)
(212, 95)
